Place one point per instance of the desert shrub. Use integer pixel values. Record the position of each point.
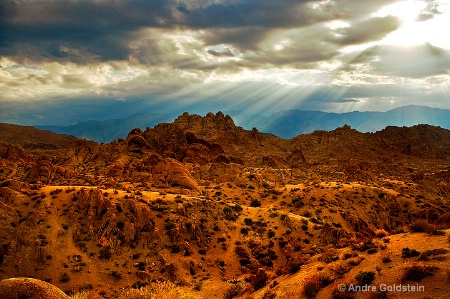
(418, 272)
(386, 259)
(238, 208)
(419, 226)
(381, 233)
(269, 295)
(365, 277)
(259, 279)
(363, 246)
(314, 283)
(406, 252)
(330, 255)
(312, 286)
(241, 252)
(297, 201)
(347, 255)
(255, 203)
(436, 253)
(292, 266)
(248, 221)
(105, 253)
(233, 291)
(116, 275)
(230, 213)
(64, 277)
(198, 285)
(433, 230)
(372, 250)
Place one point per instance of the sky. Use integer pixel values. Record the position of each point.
(65, 61)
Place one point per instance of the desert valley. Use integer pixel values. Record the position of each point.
(202, 208)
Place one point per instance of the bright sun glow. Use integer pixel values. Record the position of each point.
(413, 31)
(406, 11)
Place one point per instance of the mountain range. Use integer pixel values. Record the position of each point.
(285, 124)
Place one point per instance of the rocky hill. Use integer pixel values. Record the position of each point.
(202, 208)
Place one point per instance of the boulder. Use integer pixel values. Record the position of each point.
(173, 173)
(15, 288)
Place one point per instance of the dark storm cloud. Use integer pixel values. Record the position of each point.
(103, 30)
(259, 13)
(40, 28)
(91, 31)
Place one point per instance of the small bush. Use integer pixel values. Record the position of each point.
(406, 252)
(365, 277)
(435, 253)
(386, 259)
(330, 255)
(381, 233)
(418, 272)
(372, 250)
(230, 213)
(314, 283)
(198, 285)
(259, 279)
(64, 277)
(255, 203)
(419, 226)
(233, 291)
(105, 253)
(292, 266)
(312, 286)
(116, 275)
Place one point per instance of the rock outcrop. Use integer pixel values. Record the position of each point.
(173, 173)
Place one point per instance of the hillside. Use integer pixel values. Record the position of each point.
(31, 137)
(202, 208)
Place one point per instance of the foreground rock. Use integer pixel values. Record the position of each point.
(15, 288)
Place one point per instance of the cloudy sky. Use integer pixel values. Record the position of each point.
(63, 61)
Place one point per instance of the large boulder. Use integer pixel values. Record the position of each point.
(173, 173)
(29, 288)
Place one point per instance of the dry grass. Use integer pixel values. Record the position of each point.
(157, 290)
